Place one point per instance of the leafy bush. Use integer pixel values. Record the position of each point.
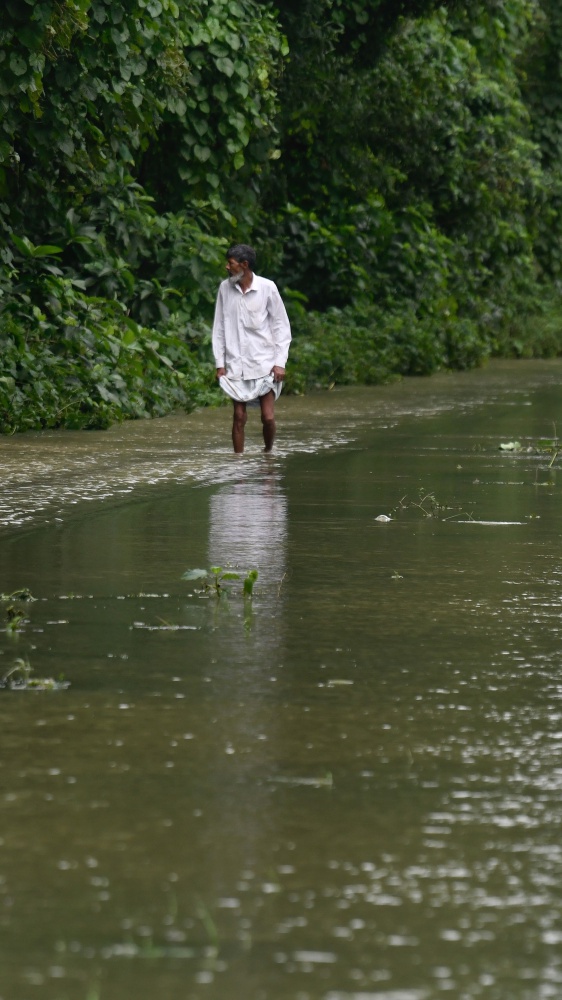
(350, 347)
(82, 362)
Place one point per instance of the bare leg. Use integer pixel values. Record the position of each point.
(267, 404)
(238, 423)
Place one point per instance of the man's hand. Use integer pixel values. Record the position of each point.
(221, 372)
(278, 373)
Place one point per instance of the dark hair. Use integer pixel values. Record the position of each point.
(240, 252)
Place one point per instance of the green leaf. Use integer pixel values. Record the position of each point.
(66, 145)
(18, 64)
(243, 71)
(220, 91)
(225, 65)
(202, 152)
(249, 582)
(46, 250)
(25, 246)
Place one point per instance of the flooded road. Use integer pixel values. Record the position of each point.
(346, 788)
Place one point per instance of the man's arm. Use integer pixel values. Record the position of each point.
(281, 332)
(218, 336)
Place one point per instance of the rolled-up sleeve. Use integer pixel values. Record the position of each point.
(280, 328)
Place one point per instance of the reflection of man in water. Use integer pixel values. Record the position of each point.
(248, 530)
(251, 337)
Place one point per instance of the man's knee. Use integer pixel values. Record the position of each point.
(240, 417)
(267, 410)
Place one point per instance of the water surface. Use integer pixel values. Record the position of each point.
(348, 788)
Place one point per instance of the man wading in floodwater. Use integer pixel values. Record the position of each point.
(251, 337)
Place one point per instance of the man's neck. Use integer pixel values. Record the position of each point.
(246, 282)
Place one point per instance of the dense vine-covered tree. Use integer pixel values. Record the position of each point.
(542, 90)
(129, 130)
(416, 163)
(116, 113)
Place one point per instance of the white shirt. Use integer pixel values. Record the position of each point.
(251, 330)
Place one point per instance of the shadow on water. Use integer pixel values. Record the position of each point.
(344, 788)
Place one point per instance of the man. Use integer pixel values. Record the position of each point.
(251, 337)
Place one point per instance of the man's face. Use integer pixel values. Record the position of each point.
(236, 269)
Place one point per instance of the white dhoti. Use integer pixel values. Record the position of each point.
(243, 390)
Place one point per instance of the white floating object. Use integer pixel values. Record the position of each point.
(383, 517)
(493, 524)
(315, 957)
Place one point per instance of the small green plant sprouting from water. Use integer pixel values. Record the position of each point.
(15, 615)
(551, 447)
(218, 578)
(19, 679)
(249, 582)
(13, 618)
(214, 579)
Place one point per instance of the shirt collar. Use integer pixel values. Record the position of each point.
(253, 287)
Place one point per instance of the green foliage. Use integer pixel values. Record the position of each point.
(542, 89)
(80, 361)
(534, 335)
(419, 184)
(95, 96)
(249, 582)
(374, 345)
(108, 263)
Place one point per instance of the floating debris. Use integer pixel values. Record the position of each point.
(492, 524)
(315, 957)
(165, 627)
(19, 595)
(326, 782)
(152, 951)
(19, 679)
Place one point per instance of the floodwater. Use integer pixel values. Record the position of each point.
(346, 788)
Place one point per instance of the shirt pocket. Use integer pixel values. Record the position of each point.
(255, 314)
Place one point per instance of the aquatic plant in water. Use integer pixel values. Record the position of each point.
(214, 579)
(19, 679)
(249, 582)
(15, 615)
(429, 506)
(13, 618)
(549, 447)
(24, 594)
